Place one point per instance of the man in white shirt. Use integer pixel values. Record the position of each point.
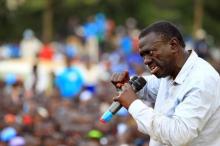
(184, 88)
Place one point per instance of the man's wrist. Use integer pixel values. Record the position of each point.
(129, 103)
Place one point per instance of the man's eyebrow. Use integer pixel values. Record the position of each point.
(145, 51)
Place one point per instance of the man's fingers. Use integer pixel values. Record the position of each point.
(115, 98)
(120, 77)
(125, 86)
(126, 76)
(115, 78)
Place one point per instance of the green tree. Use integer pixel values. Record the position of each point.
(49, 18)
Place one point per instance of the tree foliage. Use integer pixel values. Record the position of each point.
(29, 14)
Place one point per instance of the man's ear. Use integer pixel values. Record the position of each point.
(174, 44)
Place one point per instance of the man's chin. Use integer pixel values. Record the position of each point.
(158, 75)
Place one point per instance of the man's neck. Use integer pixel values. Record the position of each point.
(180, 61)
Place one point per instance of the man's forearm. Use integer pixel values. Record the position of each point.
(167, 130)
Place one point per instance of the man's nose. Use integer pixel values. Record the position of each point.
(147, 59)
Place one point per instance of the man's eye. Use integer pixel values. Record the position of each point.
(149, 53)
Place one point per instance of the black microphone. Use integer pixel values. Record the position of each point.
(137, 83)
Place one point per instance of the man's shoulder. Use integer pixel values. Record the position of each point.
(204, 76)
(205, 69)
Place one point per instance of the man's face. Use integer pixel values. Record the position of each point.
(157, 54)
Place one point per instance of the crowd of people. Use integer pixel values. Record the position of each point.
(59, 100)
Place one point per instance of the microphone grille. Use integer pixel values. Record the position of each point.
(139, 83)
(131, 81)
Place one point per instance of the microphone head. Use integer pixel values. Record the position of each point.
(133, 79)
(139, 83)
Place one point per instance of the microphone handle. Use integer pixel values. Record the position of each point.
(115, 107)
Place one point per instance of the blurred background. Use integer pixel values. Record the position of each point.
(57, 56)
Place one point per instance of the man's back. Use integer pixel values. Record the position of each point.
(209, 135)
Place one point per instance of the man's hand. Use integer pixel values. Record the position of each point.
(119, 79)
(127, 96)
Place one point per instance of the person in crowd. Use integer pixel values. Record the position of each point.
(201, 46)
(30, 45)
(70, 81)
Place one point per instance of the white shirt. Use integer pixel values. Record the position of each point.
(187, 109)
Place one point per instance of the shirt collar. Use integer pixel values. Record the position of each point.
(185, 70)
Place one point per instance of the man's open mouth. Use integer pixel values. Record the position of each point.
(154, 69)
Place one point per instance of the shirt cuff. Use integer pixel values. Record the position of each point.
(136, 106)
(143, 115)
